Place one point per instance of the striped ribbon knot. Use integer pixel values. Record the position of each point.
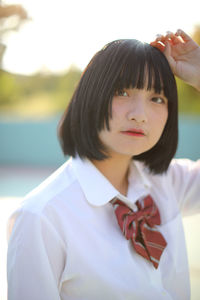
(139, 227)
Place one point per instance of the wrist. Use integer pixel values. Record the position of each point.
(198, 87)
(194, 78)
(196, 84)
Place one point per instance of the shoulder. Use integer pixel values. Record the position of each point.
(178, 168)
(177, 164)
(181, 174)
(184, 162)
(44, 205)
(184, 166)
(50, 190)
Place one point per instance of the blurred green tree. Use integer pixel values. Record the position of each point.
(66, 86)
(36, 95)
(9, 89)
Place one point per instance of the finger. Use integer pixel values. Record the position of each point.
(158, 45)
(183, 35)
(160, 38)
(173, 39)
(167, 54)
(167, 51)
(169, 37)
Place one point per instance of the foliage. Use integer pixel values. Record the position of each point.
(189, 99)
(37, 95)
(9, 89)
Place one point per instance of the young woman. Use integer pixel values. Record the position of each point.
(107, 224)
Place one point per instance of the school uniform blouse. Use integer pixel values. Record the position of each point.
(66, 242)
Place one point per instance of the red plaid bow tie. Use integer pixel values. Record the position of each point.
(139, 227)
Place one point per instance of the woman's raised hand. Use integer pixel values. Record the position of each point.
(183, 55)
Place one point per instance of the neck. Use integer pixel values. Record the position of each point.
(116, 171)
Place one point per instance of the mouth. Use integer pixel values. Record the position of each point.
(134, 132)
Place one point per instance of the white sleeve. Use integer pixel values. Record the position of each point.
(36, 258)
(185, 176)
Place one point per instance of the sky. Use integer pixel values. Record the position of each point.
(64, 33)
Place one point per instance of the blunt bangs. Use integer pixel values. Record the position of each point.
(120, 64)
(144, 67)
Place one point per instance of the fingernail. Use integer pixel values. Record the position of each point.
(178, 32)
(158, 36)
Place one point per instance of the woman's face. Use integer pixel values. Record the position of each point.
(138, 120)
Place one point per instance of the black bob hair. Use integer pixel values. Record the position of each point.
(120, 64)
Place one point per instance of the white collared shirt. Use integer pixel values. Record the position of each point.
(66, 242)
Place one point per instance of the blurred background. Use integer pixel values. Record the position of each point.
(44, 47)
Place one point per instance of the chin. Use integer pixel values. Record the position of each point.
(135, 153)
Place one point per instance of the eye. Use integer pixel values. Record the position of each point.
(122, 93)
(158, 100)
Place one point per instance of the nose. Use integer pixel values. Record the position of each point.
(138, 110)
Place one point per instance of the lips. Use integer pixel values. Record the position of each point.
(134, 132)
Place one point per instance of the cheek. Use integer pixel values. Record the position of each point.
(119, 109)
(163, 121)
(116, 119)
(162, 117)
(159, 122)
(165, 117)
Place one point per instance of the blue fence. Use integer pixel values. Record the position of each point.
(36, 143)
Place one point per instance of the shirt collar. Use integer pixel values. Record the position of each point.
(97, 188)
